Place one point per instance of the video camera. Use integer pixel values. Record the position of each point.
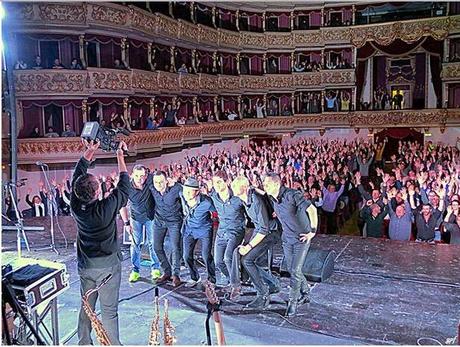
(106, 136)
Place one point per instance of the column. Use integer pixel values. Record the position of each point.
(172, 51)
(239, 106)
(149, 56)
(214, 62)
(81, 49)
(124, 51)
(446, 53)
(322, 17)
(237, 20)
(170, 8)
(292, 61)
(192, 12)
(292, 20)
(213, 12)
(355, 56)
(238, 63)
(322, 101)
(353, 14)
(194, 67)
(84, 110)
(264, 63)
(215, 102)
(353, 98)
(323, 63)
(152, 107)
(263, 21)
(265, 103)
(293, 103)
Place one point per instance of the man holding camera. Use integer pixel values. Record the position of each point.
(139, 214)
(98, 251)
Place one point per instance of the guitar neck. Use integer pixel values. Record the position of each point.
(219, 328)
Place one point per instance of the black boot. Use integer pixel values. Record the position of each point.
(260, 302)
(291, 309)
(274, 289)
(304, 299)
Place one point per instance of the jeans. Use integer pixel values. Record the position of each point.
(330, 222)
(135, 248)
(160, 230)
(261, 279)
(108, 299)
(295, 254)
(206, 246)
(223, 252)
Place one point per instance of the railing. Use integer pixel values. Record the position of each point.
(84, 83)
(450, 71)
(68, 150)
(112, 17)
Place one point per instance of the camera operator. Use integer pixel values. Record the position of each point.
(98, 251)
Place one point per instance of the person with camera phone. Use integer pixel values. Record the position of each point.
(98, 250)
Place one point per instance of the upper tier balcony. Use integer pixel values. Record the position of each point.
(113, 19)
(30, 84)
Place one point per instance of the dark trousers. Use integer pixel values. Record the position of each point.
(330, 222)
(108, 298)
(295, 254)
(258, 271)
(223, 252)
(160, 230)
(206, 246)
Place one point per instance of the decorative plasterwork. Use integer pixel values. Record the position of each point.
(450, 72)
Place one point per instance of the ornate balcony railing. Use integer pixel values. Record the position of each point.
(113, 17)
(450, 71)
(84, 83)
(67, 150)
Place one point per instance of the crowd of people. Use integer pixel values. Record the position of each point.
(352, 176)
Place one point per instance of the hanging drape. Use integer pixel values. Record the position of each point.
(183, 56)
(138, 55)
(256, 65)
(109, 47)
(454, 96)
(315, 19)
(206, 103)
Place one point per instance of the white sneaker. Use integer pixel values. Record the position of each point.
(192, 283)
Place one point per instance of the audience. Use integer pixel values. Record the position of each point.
(51, 133)
(68, 132)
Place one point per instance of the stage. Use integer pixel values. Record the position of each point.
(381, 292)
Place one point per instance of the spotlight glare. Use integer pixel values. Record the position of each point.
(2, 11)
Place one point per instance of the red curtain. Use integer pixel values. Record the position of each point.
(138, 55)
(454, 96)
(285, 64)
(32, 118)
(436, 67)
(256, 65)
(315, 19)
(73, 116)
(68, 50)
(285, 100)
(284, 20)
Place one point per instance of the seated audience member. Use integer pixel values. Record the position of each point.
(453, 228)
(68, 131)
(232, 115)
(117, 64)
(57, 64)
(181, 121)
(51, 133)
(202, 117)
(183, 69)
(37, 65)
(75, 65)
(286, 111)
(373, 216)
(191, 120)
(35, 133)
(427, 222)
(20, 65)
(211, 117)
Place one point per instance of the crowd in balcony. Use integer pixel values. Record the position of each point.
(37, 64)
(412, 194)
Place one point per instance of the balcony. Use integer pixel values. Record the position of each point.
(450, 72)
(112, 17)
(50, 83)
(68, 150)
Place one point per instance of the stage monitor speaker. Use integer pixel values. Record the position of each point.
(319, 265)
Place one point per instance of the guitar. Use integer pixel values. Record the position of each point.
(214, 308)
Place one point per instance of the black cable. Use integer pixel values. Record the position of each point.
(208, 330)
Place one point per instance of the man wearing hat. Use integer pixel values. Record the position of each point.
(197, 210)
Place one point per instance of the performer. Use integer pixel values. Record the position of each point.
(198, 209)
(139, 214)
(266, 234)
(168, 220)
(98, 251)
(299, 220)
(232, 222)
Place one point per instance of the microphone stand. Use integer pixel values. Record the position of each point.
(19, 223)
(51, 207)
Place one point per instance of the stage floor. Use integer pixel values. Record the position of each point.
(381, 292)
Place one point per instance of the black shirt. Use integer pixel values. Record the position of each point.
(97, 243)
(168, 207)
(260, 213)
(232, 219)
(291, 209)
(141, 203)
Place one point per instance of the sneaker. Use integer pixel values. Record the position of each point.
(192, 283)
(235, 293)
(260, 302)
(304, 299)
(156, 273)
(134, 276)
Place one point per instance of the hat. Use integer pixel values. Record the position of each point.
(191, 182)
